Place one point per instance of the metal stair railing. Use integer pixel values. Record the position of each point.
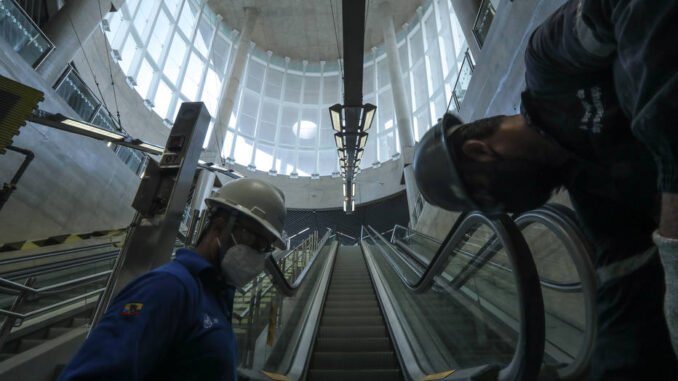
(24, 292)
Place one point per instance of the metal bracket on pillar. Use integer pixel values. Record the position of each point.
(160, 202)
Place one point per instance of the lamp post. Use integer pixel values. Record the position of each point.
(351, 124)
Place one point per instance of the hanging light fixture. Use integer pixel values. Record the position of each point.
(351, 124)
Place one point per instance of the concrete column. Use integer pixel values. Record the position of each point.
(467, 11)
(205, 182)
(402, 109)
(72, 25)
(230, 89)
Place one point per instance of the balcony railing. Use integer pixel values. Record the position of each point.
(463, 81)
(25, 37)
(83, 101)
(483, 21)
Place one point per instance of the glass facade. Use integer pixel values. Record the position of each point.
(178, 50)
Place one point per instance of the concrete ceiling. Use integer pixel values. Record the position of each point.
(303, 29)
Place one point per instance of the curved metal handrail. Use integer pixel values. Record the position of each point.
(562, 222)
(478, 261)
(527, 358)
(278, 277)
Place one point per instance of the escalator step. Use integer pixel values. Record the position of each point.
(363, 375)
(342, 311)
(341, 344)
(352, 304)
(352, 321)
(354, 361)
(79, 322)
(56, 332)
(27, 344)
(347, 296)
(362, 331)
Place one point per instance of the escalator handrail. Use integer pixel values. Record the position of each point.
(569, 287)
(528, 356)
(54, 253)
(278, 277)
(14, 288)
(564, 224)
(562, 216)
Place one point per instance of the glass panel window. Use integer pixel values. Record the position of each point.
(144, 16)
(220, 51)
(307, 161)
(175, 58)
(290, 116)
(242, 152)
(163, 98)
(273, 85)
(285, 160)
(370, 155)
(144, 78)
(267, 124)
(263, 158)
(382, 73)
(191, 83)
(327, 161)
(203, 35)
(312, 90)
(246, 124)
(255, 74)
(212, 91)
(127, 53)
(188, 18)
(368, 79)
(327, 138)
(416, 45)
(159, 36)
(293, 88)
(386, 147)
(331, 89)
(227, 147)
(173, 6)
(307, 128)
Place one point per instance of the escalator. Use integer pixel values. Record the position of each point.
(353, 342)
(405, 306)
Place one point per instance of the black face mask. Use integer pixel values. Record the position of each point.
(516, 185)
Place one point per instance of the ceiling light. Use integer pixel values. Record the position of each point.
(339, 141)
(362, 142)
(93, 129)
(335, 117)
(370, 110)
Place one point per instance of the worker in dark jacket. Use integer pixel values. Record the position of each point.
(174, 323)
(598, 119)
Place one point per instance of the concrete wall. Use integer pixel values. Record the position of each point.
(74, 184)
(498, 80)
(326, 192)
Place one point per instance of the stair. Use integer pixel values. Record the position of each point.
(353, 342)
(32, 340)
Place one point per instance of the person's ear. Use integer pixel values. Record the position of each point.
(478, 150)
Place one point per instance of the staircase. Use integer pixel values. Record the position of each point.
(353, 342)
(43, 334)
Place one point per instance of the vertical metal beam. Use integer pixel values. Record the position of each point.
(160, 202)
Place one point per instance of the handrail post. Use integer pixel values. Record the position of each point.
(9, 322)
(250, 324)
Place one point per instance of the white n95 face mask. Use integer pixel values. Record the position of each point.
(240, 264)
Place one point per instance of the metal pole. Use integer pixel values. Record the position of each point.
(9, 322)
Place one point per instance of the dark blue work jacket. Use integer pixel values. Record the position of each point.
(172, 323)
